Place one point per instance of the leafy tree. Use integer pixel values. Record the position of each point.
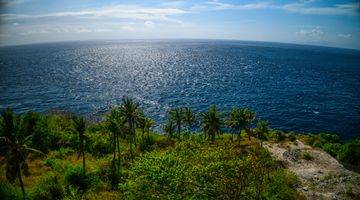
(211, 122)
(13, 135)
(177, 116)
(262, 129)
(189, 117)
(80, 128)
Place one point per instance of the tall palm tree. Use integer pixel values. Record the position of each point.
(80, 128)
(169, 128)
(235, 122)
(131, 114)
(189, 117)
(15, 142)
(115, 126)
(262, 128)
(211, 122)
(247, 116)
(177, 116)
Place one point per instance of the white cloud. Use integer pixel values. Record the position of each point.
(346, 36)
(119, 11)
(216, 5)
(310, 33)
(305, 8)
(149, 24)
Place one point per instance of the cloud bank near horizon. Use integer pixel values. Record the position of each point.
(313, 21)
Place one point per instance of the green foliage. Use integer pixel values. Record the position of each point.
(291, 137)
(350, 152)
(199, 170)
(9, 192)
(48, 188)
(281, 185)
(75, 176)
(332, 148)
(307, 156)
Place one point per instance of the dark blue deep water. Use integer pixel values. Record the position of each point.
(298, 88)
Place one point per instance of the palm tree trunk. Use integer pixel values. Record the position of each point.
(178, 130)
(118, 150)
(21, 183)
(84, 167)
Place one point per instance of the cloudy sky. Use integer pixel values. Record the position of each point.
(318, 22)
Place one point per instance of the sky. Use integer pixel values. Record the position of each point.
(317, 22)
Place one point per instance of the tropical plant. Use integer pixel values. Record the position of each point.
(80, 128)
(235, 122)
(189, 117)
(211, 122)
(177, 116)
(248, 116)
(169, 128)
(148, 124)
(15, 141)
(262, 128)
(131, 114)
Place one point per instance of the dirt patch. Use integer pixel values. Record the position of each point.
(322, 176)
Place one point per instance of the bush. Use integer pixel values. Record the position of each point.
(75, 176)
(47, 189)
(281, 185)
(292, 137)
(9, 192)
(350, 152)
(307, 156)
(332, 149)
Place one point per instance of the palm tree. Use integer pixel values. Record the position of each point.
(131, 114)
(262, 128)
(189, 117)
(248, 116)
(177, 116)
(80, 128)
(115, 126)
(15, 143)
(169, 128)
(235, 122)
(148, 124)
(211, 122)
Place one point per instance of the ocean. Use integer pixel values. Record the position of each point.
(298, 88)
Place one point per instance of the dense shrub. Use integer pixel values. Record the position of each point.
(75, 176)
(9, 192)
(193, 170)
(350, 153)
(48, 188)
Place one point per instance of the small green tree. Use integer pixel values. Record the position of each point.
(247, 117)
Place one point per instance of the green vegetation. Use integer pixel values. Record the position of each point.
(348, 153)
(123, 159)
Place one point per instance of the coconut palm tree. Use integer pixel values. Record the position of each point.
(235, 122)
(169, 128)
(131, 115)
(248, 116)
(15, 142)
(177, 116)
(148, 124)
(262, 128)
(211, 122)
(80, 128)
(189, 117)
(115, 126)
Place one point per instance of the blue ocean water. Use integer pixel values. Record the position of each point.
(297, 88)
